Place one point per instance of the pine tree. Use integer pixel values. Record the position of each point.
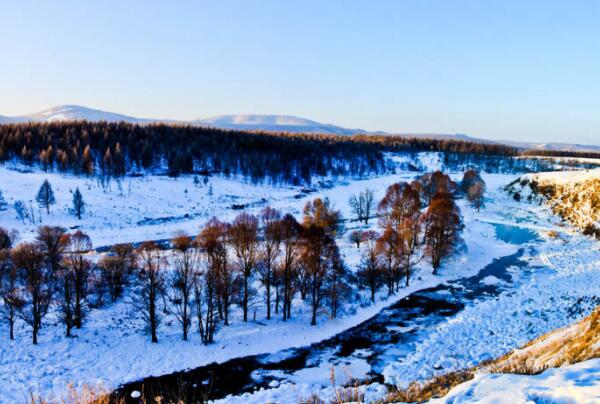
(78, 208)
(45, 196)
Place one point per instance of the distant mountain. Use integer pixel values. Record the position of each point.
(76, 112)
(444, 136)
(554, 146)
(273, 123)
(276, 123)
(11, 119)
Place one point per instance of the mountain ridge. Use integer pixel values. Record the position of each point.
(263, 122)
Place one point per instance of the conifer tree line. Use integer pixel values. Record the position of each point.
(200, 278)
(116, 149)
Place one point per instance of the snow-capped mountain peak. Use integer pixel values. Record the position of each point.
(277, 123)
(77, 112)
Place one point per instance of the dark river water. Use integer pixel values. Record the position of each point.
(390, 335)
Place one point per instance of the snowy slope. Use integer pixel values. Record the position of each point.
(573, 195)
(577, 342)
(579, 383)
(77, 112)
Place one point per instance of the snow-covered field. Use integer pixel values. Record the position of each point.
(154, 207)
(112, 348)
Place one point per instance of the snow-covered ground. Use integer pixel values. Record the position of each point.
(574, 384)
(561, 285)
(111, 348)
(154, 207)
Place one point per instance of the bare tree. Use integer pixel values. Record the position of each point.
(371, 272)
(388, 248)
(185, 274)
(243, 236)
(336, 285)
(356, 237)
(443, 229)
(10, 293)
(270, 220)
(214, 288)
(369, 204)
(151, 280)
(53, 242)
(66, 286)
(277, 286)
(317, 251)
(474, 187)
(399, 213)
(363, 205)
(475, 194)
(290, 238)
(110, 272)
(37, 296)
(436, 183)
(116, 267)
(357, 207)
(321, 213)
(409, 228)
(78, 243)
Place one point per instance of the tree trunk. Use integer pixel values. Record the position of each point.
(286, 291)
(245, 297)
(12, 325)
(268, 301)
(152, 312)
(185, 318)
(314, 302)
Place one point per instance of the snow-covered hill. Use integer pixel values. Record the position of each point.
(574, 147)
(573, 195)
(276, 123)
(77, 112)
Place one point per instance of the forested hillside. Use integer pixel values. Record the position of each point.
(117, 149)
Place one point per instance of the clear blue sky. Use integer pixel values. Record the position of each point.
(522, 70)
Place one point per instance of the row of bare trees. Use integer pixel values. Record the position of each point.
(219, 267)
(200, 278)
